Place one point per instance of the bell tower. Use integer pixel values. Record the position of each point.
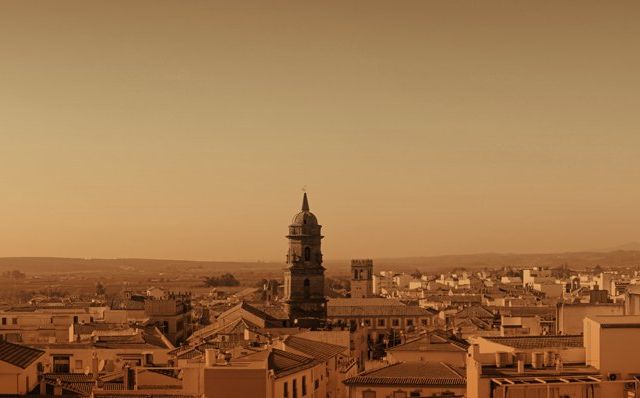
(304, 275)
(361, 278)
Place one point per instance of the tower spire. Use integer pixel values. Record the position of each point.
(305, 203)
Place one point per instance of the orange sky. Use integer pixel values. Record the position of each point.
(186, 129)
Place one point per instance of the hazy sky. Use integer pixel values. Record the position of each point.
(186, 129)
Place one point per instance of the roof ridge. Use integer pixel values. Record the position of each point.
(368, 372)
(535, 337)
(451, 368)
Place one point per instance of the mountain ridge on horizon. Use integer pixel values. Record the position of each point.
(620, 256)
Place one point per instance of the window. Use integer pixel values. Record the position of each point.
(409, 322)
(14, 321)
(367, 322)
(307, 288)
(304, 385)
(78, 363)
(307, 254)
(316, 384)
(285, 387)
(61, 364)
(294, 387)
(395, 322)
(415, 393)
(381, 323)
(399, 394)
(424, 322)
(368, 394)
(75, 319)
(4, 321)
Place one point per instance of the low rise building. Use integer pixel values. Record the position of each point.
(431, 347)
(19, 368)
(409, 379)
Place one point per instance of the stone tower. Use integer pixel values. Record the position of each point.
(304, 276)
(361, 278)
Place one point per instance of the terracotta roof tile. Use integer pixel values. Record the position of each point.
(411, 374)
(539, 342)
(18, 355)
(315, 349)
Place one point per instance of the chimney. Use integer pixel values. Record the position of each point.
(57, 389)
(558, 364)
(521, 356)
(210, 357)
(94, 365)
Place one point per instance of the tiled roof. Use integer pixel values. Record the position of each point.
(149, 336)
(284, 363)
(78, 383)
(432, 342)
(281, 362)
(271, 312)
(472, 322)
(197, 351)
(375, 301)
(372, 307)
(316, 349)
(459, 298)
(539, 342)
(411, 374)
(236, 326)
(113, 386)
(18, 355)
(106, 394)
(477, 311)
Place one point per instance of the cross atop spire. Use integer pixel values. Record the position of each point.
(305, 203)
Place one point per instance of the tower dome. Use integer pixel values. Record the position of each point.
(304, 217)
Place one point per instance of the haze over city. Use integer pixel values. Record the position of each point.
(331, 199)
(187, 130)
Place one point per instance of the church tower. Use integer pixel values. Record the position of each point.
(304, 276)
(361, 278)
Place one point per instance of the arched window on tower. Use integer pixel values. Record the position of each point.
(307, 254)
(307, 288)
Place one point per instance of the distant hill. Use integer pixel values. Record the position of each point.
(614, 258)
(62, 264)
(626, 247)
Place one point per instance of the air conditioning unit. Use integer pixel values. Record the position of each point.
(613, 376)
